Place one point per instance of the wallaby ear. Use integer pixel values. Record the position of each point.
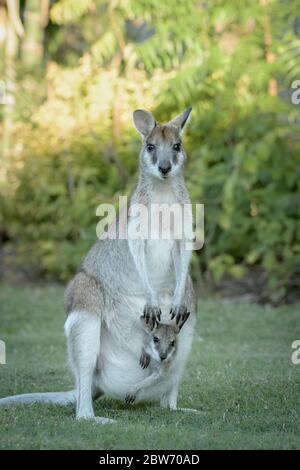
(144, 122)
(181, 120)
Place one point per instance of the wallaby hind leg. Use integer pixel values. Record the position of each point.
(83, 333)
(84, 301)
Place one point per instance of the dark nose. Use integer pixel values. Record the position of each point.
(163, 356)
(164, 167)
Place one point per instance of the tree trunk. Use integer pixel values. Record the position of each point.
(34, 19)
(11, 53)
(269, 55)
(2, 39)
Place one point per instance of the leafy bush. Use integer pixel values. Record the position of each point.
(78, 148)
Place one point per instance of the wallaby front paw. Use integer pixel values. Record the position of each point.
(152, 315)
(130, 398)
(144, 360)
(180, 313)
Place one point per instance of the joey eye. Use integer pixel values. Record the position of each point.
(172, 344)
(150, 147)
(155, 339)
(177, 147)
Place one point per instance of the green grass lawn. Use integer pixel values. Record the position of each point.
(239, 374)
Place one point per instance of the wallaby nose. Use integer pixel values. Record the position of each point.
(165, 167)
(163, 356)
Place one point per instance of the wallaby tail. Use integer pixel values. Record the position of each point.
(56, 398)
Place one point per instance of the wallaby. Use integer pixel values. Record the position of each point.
(120, 279)
(159, 348)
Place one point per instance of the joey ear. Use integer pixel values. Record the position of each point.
(181, 120)
(176, 329)
(144, 122)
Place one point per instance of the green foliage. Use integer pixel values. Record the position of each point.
(78, 148)
(67, 11)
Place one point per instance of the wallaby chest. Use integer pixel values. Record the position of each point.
(160, 244)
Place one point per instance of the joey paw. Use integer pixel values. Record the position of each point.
(152, 315)
(180, 313)
(144, 360)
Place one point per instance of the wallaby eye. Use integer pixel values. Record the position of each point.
(177, 147)
(150, 147)
(172, 344)
(155, 339)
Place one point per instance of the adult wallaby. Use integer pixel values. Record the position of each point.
(122, 278)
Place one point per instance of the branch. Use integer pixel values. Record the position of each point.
(15, 17)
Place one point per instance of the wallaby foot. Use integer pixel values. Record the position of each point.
(100, 420)
(167, 406)
(96, 419)
(169, 400)
(173, 407)
(191, 410)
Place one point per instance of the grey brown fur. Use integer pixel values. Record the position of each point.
(123, 278)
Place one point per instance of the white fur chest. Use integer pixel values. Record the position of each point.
(161, 240)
